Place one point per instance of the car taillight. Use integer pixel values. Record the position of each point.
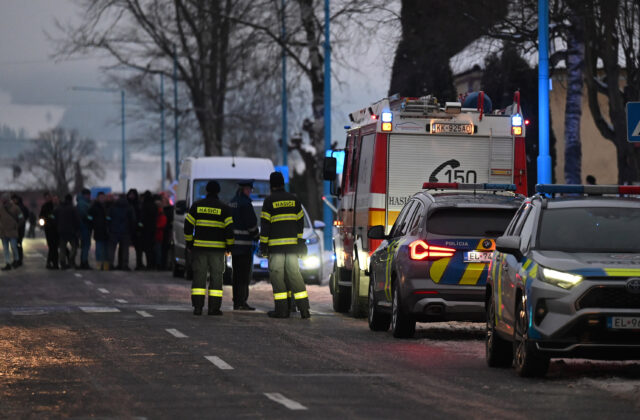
(420, 250)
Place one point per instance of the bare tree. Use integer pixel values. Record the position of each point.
(60, 157)
(143, 35)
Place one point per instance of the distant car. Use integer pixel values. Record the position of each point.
(311, 264)
(433, 264)
(565, 280)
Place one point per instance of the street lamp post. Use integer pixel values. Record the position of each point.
(328, 216)
(124, 156)
(544, 159)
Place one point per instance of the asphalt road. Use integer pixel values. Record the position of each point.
(91, 344)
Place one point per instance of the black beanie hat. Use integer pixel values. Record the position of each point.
(276, 180)
(213, 187)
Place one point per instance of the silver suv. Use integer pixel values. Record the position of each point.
(565, 280)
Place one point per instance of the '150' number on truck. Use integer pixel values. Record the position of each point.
(454, 175)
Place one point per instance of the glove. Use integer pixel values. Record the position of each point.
(302, 247)
(263, 250)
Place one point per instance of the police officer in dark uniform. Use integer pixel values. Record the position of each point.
(208, 233)
(282, 224)
(245, 231)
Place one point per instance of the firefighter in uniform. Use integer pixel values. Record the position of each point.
(282, 224)
(245, 231)
(208, 233)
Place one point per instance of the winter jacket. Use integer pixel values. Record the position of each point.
(68, 221)
(209, 225)
(245, 224)
(83, 211)
(98, 216)
(121, 218)
(46, 214)
(149, 216)
(10, 219)
(161, 223)
(282, 224)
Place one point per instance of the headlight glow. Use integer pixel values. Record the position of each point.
(310, 262)
(41, 222)
(559, 278)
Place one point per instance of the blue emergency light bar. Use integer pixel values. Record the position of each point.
(475, 187)
(587, 189)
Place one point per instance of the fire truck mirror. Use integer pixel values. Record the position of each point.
(329, 168)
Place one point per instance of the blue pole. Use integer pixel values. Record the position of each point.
(328, 216)
(544, 159)
(162, 169)
(175, 112)
(124, 156)
(285, 141)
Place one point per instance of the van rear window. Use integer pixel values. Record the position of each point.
(469, 221)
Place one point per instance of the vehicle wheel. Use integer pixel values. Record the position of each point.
(527, 360)
(358, 305)
(341, 294)
(378, 320)
(402, 325)
(498, 352)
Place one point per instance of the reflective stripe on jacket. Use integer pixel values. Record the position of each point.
(245, 224)
(282, 222)
(209, 225)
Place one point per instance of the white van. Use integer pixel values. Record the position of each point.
(196, 172)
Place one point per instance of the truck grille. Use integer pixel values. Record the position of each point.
(608, 297)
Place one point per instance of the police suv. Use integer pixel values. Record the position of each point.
(433, 265)
(565, 279)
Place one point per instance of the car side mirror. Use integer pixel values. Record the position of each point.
(181, 207)
(376, 232)
(318, 224)
(329, 168)
(509, 245)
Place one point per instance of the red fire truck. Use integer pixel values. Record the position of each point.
(392, 148)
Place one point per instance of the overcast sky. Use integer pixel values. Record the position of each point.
(35, 95)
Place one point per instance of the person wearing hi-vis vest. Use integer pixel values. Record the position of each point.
(208, 233)
(282, 224)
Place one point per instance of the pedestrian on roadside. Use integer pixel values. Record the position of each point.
(121, 224)
(98, 217)
(83, 202)
(167, 208)
(17, 200)
(10, 219)
(136, 235)
(208, 233)
(68, 222)
(50, 230)
(161, 223)
(149, 218)
(245, 230)
(282, 224)
(31, 233)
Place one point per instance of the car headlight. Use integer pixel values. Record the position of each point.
(41, 222)
(560, 278)
(312, 240)
(310, 262)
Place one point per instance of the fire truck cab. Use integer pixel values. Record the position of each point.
(392, 148)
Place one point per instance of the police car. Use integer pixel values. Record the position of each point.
(433, 264)
(565, 279)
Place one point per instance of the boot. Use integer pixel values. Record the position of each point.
(197, 310)
(215, 312)
(304, 314)
(281, 310)
(7, 267)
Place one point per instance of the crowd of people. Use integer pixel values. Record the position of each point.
(116, 223)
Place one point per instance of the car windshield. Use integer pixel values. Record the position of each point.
(469, 221)
(228, 188)
(590, 229)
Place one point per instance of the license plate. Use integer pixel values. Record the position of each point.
(264, 263)
(477, 257)
(624, 322)
(439, 128)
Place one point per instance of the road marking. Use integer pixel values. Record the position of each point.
(98, 309)
(103, 290)
(33, 254)
(144, 314)
(175, 333)
(29, 312)
(77, 275)
(281, 399)
(220, 364)
(121, 301)
(339, 375)
(88, 282)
